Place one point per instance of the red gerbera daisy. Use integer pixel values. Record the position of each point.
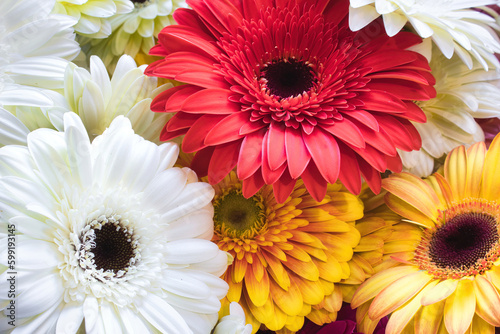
(283, 90)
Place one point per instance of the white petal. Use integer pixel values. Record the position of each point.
(192, 225)
(393, 23)
(12, 130)
(193, 197)
(361, 17)
(41, 296)
(78, 146)
(163, 316)
(165, 188)
(132, 322)
(37, 254)
(189, 251)
(110, 316)
(179, 283)
(70, 319)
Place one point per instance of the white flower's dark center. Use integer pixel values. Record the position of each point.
(463, 240)
(288, 77)
(113, 248)
(108, 248)
(237, 216)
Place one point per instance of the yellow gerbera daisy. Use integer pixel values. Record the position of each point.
(452, 282)
(287, 256)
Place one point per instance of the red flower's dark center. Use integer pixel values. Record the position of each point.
(113, 248)
(288, 77)
(463, 240)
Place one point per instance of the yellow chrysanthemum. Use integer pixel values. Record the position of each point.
(452, 282)
(287, 256)
(383, 236)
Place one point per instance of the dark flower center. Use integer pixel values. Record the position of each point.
(237, 216)
(463, 240)
(288, 77)
(139, 1)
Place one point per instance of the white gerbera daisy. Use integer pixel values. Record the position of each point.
(109, 237)
(35, 48)
(93, 15)
(462, 95)
(98, 100)
(234, 322)
(134, 32)
(452, 24)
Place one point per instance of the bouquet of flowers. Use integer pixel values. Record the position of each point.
(249, 166)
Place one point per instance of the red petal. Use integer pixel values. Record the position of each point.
(188, 17)
(181, 121)
(160, 101)
(201, 160)
(209, 19)
(157, 50)
(398, 130)
(252, 184)
(409, 75)
(177, 38)
(250, 127)
(371, 176)
(381, 101)
(270, 176)
(394, 164)
(402, 89)
(283, 187)
(276, 145)
(227, 130)
(296, 151)
(210, 101)
(167, 135)
(179, 95)
(204, 78)
(314, 182)
(378, 139)
(413, 113)
(386, 59)
(250, 158)
(223, 160)
(195, 137)
(372, 156)
(345, 130)
(364, 117)
(325, 153)
(226, 13)
(349, 169)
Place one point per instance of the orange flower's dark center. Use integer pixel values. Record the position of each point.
(113, 248)
(463, 240)
(288, 77)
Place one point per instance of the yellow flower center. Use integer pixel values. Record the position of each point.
(465, 242)
(236, 216)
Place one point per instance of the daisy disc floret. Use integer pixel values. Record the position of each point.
(287, 257)
(451, 283)
(287, 92)
(101, 235)
(454, 26)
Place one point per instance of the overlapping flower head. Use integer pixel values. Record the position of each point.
(452, 281)
(287, 257)
(284, 90)
(93, 16)
(454, 26)
(463, 95)
(101, 237)
(133, 33)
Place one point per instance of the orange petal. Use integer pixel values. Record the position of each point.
(460, 307)
(239, 270)
(441, 291)
(262, 313)
(277, 271)
(481, 326)
(455, 172)
(413, 191)
(305, 269)
(401, 317)
(428, 318)
(441, 188)
(378, 282)
(490, 180)
(406, 210)
(289, 301)
(398, 293)
(475, 162)
(257, 291)
(487, 300)
(312, 292)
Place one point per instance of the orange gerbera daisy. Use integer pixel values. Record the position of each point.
(287, 256)
(452, 282)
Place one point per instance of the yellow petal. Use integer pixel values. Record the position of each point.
(475, 162)
(357, 275)
(406, 210)
(239, 270)
(262, 313)
(413, 191)
(490, 180)
(455, 172)
(369, 225)
(368, 243)
(277, 321)
(441, 291)
(428, 318)
(305, 269)
(460, 307)
(345, 206)
(480, 326)
(312, 292)
(330, 270)
(257, 291)
(402, 316)
(277, 271)
(494, 276)
(487, 300)
(289, 301)
(378, 282)
(398, 293)
(442, 189)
